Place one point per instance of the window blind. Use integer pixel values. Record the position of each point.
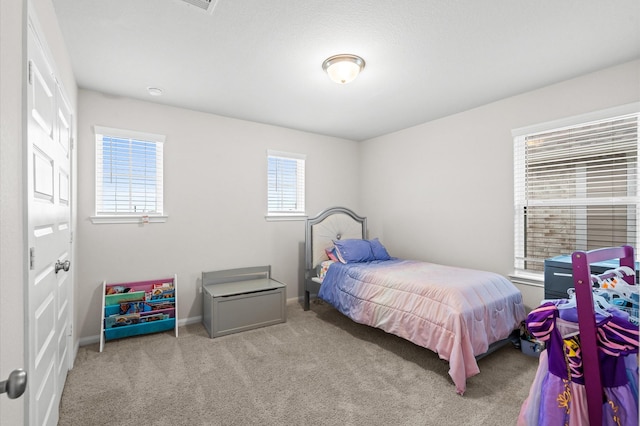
(129, 175)
(576, 188)
(286, 183)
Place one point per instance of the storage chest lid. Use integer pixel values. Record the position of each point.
(242, 287)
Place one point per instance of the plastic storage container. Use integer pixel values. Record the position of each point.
(531, 347)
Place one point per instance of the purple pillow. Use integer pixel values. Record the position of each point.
(378, 250)
(353, 251)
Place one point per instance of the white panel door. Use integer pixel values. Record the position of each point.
(49, 237)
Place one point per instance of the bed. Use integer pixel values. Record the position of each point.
(461, 314)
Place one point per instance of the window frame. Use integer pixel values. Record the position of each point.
(128, 217)
(300, 179)
(520, 273)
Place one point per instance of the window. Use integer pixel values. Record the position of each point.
(285, 184)
(576, 188)
(129, 168)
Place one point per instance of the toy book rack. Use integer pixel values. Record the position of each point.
(141, 307)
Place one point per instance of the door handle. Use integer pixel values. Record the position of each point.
(62, 265)
(15, 385)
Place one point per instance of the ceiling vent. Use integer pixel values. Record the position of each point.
(203, 5)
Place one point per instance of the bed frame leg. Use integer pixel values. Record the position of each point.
(306, 301)
(514, 337)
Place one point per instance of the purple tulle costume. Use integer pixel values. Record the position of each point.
(557, 395)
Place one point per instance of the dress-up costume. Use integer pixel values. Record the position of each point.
(557, 395)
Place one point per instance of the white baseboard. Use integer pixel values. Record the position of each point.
(72, 361)
(187, 321)
(90, 340)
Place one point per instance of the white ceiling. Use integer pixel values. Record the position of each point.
(262, 60)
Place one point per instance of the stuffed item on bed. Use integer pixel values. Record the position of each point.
(323, 267)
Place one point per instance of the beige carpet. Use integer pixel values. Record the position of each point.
(318, 368)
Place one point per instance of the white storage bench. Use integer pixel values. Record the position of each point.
(241, 299)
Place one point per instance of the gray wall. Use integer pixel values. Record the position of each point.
(443, 191)
(215, 196)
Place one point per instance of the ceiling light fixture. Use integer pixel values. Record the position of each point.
(154, 91)
(343, 68)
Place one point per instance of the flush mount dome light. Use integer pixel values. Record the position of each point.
(154, 91)
(343, 68)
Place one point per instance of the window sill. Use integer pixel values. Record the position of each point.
(531, 279)
(284, 217)
(128, 219)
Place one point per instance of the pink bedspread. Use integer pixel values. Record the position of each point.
(454, 312)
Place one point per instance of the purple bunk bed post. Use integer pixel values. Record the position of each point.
(587, 321)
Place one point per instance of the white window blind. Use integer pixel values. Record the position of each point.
(576, 188)
(129, 173)
(285, 183)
